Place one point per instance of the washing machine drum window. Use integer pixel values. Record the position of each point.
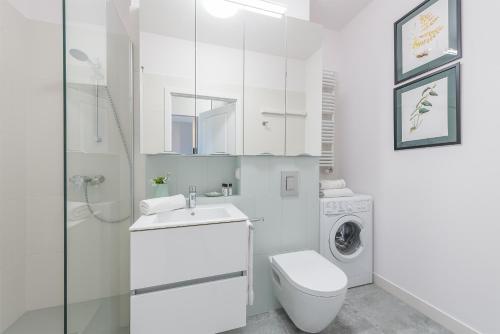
(348, 238)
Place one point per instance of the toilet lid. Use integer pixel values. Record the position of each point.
(311, 273)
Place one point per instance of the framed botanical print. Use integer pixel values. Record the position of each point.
(426, 38)
(427, 111)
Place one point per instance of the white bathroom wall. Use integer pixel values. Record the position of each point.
(32, 160)
(13, 115)
(436, 217)
(331, 49)
(44, 168)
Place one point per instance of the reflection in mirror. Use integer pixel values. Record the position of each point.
(167, 51)
(183, 124)
(212, 127)
(216, 128)
(219, 79)
(303, 87)
(265, 66)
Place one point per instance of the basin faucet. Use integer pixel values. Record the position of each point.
(192, 197)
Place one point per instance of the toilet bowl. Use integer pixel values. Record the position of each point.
(310, 288)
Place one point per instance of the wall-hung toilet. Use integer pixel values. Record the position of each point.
(310, 288)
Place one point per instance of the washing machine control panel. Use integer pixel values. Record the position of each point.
(341, 207)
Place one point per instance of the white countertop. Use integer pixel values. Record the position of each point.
(163, 220)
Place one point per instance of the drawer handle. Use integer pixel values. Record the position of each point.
(256, 220)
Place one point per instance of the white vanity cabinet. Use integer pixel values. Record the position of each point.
(189, 279)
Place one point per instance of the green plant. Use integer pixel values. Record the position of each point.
(160, 179)
(422, 108)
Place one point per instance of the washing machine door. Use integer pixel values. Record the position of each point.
(347, 238)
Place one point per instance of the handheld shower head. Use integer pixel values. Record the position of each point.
(84, 58)
(79, 55)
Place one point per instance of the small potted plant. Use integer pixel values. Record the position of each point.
(160, 185)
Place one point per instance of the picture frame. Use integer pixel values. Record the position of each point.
(426, 38)
(427, 111)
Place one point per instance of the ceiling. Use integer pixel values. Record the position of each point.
(335, 14)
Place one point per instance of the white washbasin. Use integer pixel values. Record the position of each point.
(201, 215)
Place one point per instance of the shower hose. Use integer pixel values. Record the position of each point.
(129, 160)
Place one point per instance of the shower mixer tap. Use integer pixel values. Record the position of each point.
(79, 180)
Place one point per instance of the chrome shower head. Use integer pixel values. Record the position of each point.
(84, 58)
(79, 55)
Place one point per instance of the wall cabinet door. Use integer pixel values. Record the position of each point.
(243, 84)
(265, 82)
(303, 87)
(167, 58)
(219, 79)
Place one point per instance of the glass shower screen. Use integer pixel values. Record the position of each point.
(98, 144)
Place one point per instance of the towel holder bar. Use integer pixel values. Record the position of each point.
(256, 220)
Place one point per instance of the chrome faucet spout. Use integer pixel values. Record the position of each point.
(192, 197)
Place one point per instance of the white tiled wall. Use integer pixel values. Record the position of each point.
(206, 173)
(291, 223)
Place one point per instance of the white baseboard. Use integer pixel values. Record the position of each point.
(442, 318)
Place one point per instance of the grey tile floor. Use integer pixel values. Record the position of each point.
(91, 317)
(367, 310)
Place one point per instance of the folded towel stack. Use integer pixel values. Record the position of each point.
(334, 188)
(333, 184)
(77, 211)
(331, 193)
(161, 204)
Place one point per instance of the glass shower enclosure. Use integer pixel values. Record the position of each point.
(98, 167)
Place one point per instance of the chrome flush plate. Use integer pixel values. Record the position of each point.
(289, 183)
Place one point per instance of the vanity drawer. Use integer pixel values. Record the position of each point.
(209, 308)
(171, 255)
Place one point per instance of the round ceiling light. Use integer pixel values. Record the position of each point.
(220, 8)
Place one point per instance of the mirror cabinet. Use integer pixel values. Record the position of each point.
(245, 84)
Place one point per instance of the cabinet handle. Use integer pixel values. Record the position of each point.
(256, 220)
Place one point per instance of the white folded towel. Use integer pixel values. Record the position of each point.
(332, 184)
(331, 193)
(161, 204)
(77, 211)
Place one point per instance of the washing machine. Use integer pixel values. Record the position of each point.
(346, 236)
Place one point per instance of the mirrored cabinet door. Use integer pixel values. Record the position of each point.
(237, 84)
(219, 82)
(167, 51)
(265, 68)
(303, 88)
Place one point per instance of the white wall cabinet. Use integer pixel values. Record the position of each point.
(268, 69)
